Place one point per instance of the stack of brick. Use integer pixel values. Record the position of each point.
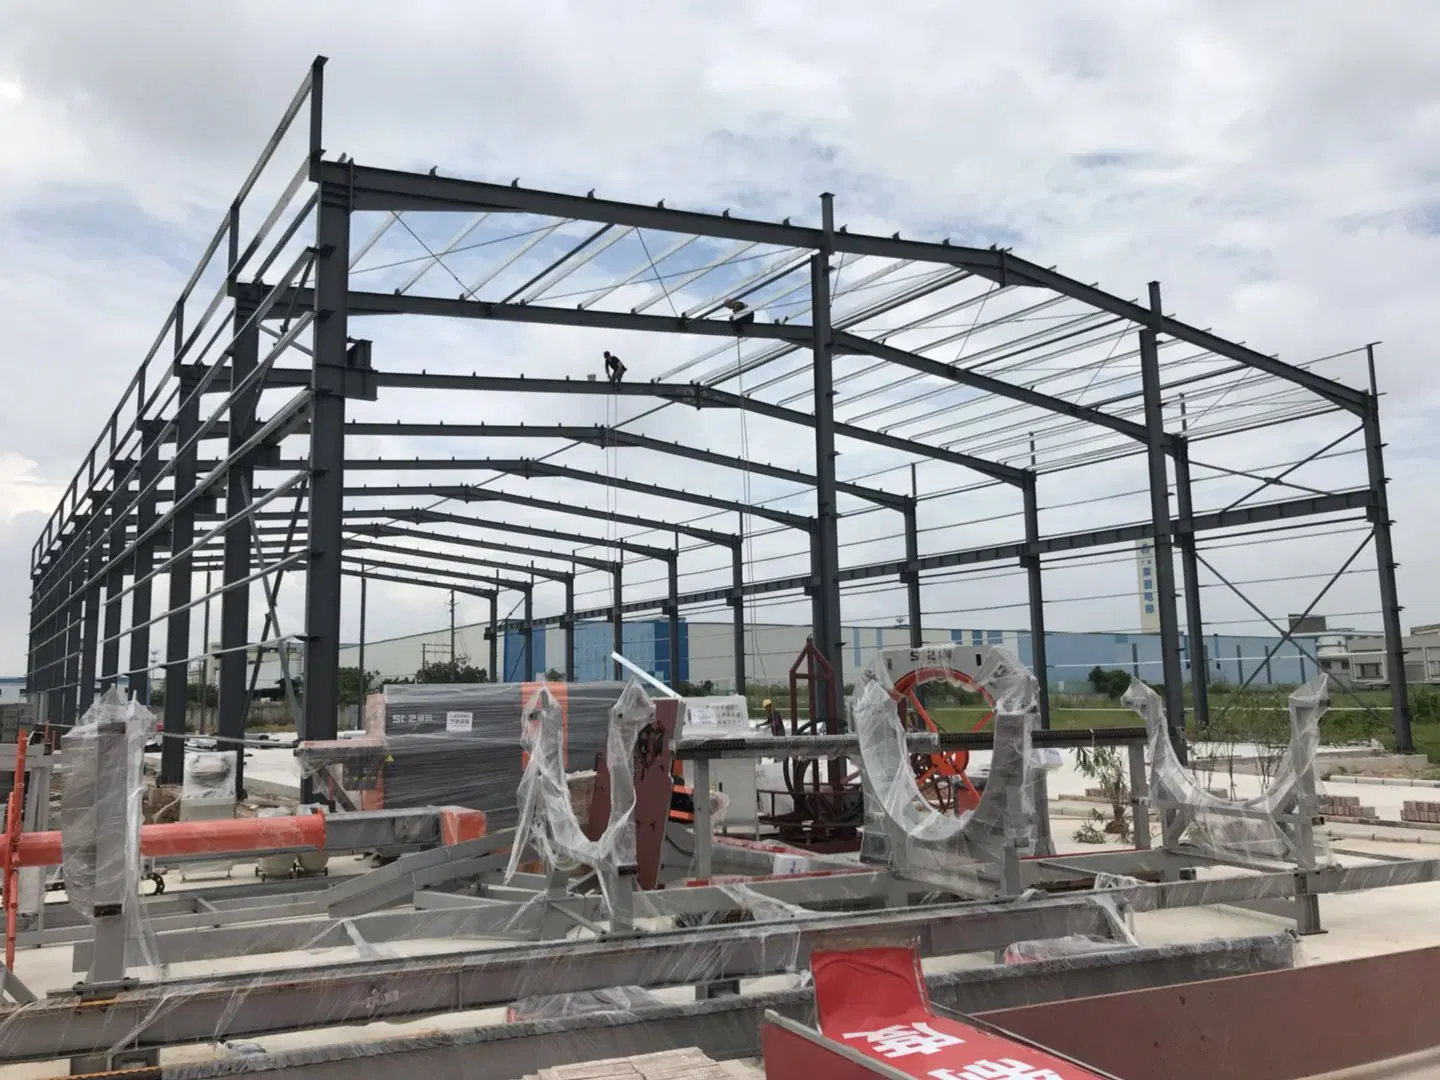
(668, 1065)
(1425, 812)
(1344, 806)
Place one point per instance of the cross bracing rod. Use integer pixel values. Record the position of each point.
(1260, 513)
(529, 469)
(700, 396)
(604, 437)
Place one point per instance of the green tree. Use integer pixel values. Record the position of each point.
(458, 670)
(1112, 682)
(353, 688)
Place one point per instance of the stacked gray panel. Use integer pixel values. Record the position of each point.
(479, 768)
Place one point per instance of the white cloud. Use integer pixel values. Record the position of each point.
(1274, 167)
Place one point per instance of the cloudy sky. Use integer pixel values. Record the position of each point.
(1274, 166)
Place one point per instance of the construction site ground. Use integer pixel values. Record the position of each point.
(1357, 924)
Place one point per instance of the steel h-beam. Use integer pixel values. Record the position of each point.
(90, 629)
(142, 595)
(736, 599)
(182, 536)
(617, 618)
(1034, 579)
(910, 575)
(529, 635)
(327, 441)
(672, 613)
(828, 630)
(1190, 571)
(1385, 564)
(568, 624)
(494, 637)
(235, 602)
(114, 587)
(1160, 520)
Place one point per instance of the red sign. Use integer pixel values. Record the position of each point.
(874, 1002)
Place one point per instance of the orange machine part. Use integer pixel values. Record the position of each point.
(185, 838)
(458, 824)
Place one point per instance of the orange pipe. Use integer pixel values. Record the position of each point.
(188, 838)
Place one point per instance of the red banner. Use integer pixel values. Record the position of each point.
(874, 1002)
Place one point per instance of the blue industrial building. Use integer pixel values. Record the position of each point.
(1229, 658)
(647, 645)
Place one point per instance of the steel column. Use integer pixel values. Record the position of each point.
(114, 586)
(1385, 563)
(1034, 579)
(828, 629)
(530, 634)
(143, 594)
(327, 455)
(569, 627)
(672, 573)
(239, 482)
(90, 630)
(73, 611)
(1190, 569)
(177, 625)
(1160, 521)
(911, 574)
(736, 600)
(360, 708)
(617, 619)
(494, 638)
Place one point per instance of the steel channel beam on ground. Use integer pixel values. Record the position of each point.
(729, 1027)
(204, 1009)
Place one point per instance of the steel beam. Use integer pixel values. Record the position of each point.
(1261, 513)
(1161, 525)
(1385, 563)
(568, 623)
(386, 189)
(530, 468)
(529, 635)
(735, 597)
(494, 638)
(699, 396)
(211, 1007)
(604, 437)
(492, 545)
(90, 628)
(672, 614)
(430, 516)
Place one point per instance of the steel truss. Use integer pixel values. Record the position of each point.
(151, 501)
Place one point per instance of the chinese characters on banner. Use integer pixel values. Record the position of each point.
(1145, 573)
(904, 1040)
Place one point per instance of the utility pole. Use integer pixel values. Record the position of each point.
(452, 628)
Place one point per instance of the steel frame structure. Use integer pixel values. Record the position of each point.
(146, 506)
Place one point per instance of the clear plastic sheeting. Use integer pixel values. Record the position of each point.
(1029, 952)
(623, 1000)
(548, 825)
(966, 853)
(101, 810)
(1273, 824)
(453, 744)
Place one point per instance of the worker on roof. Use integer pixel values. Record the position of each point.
(614, 368)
